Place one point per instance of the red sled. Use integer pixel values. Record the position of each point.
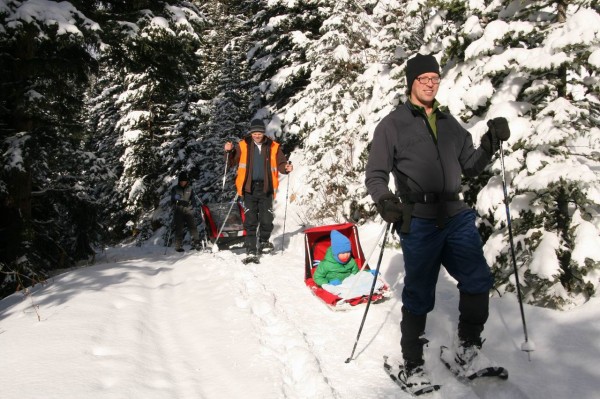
(317, 241)
(233, 231)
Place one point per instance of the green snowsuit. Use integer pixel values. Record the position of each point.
(330, 269)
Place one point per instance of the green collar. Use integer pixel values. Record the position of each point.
(431, 118)
(436, 105)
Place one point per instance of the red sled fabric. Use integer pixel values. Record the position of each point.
(317, 241)
(214, 215)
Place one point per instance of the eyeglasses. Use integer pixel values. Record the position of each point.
(425, 79)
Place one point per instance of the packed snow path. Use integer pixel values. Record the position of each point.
(140, 324)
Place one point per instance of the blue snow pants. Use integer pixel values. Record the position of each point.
(457, 246)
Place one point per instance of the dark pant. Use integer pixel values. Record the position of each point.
(184, 215)
(258, 210)
(457, 246)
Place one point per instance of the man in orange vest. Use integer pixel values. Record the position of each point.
(259, 160)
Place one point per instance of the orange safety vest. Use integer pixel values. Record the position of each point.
(242, 171)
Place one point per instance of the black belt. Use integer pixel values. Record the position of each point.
(429, 198)
(183, 203)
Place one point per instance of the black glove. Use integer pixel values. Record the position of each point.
(498, 130)
(390, 208)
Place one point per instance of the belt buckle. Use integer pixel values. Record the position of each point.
(428, 198)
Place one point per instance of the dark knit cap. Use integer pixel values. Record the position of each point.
(183, 176)
(419, 65)
(257, 126)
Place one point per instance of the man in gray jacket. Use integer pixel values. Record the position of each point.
(427, 151)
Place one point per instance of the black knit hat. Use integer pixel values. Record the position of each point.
(419, 65)
(257, 126)
(183, 176)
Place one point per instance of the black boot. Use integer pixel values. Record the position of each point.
(413, 374)
(412, 328)
(474, 311)
(265, 247)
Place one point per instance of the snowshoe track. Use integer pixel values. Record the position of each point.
(280, 338)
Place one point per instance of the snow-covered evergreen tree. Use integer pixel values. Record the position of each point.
(357, 77)
(227, 94)
(336, 134)
(532, 63)
(46, 62)
(143, 110)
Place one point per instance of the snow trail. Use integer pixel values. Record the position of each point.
(202, 325)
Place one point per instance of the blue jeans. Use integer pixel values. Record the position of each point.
(457, 246)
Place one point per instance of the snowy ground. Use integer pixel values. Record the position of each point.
(141, 324)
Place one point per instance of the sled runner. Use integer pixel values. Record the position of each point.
(233, 232)
(317, 240)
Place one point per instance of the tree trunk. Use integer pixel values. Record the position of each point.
(561, 11)
(562, 225)
(561, 17)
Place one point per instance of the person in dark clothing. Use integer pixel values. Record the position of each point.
(427, 151)
(259, 160)
(183, 200)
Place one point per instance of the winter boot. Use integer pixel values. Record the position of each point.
(178, 246)
(415, 379)
(467, 362)
(251, 256)
(470, 360)
(474, 310)
(266, 247)
(412, 328)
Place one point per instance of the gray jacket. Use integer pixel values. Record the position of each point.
(404, 145)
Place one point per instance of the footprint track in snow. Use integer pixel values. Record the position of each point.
(281, 339)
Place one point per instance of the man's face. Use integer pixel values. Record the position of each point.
(258, 137)
(423, 94)
(183, 183)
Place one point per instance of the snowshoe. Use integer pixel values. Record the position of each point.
(251, 257)
(468, 363)
(266, 247)
(413, 380)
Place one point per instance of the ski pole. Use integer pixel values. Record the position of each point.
(225, 174)
(287, 191)
(387, 228)
(526, 346)
(204, 240)
(170, 230)
(215, 247)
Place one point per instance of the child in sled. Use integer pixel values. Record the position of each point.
(338, 272)
(338, 263)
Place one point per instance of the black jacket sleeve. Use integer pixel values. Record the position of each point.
(380, 162)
